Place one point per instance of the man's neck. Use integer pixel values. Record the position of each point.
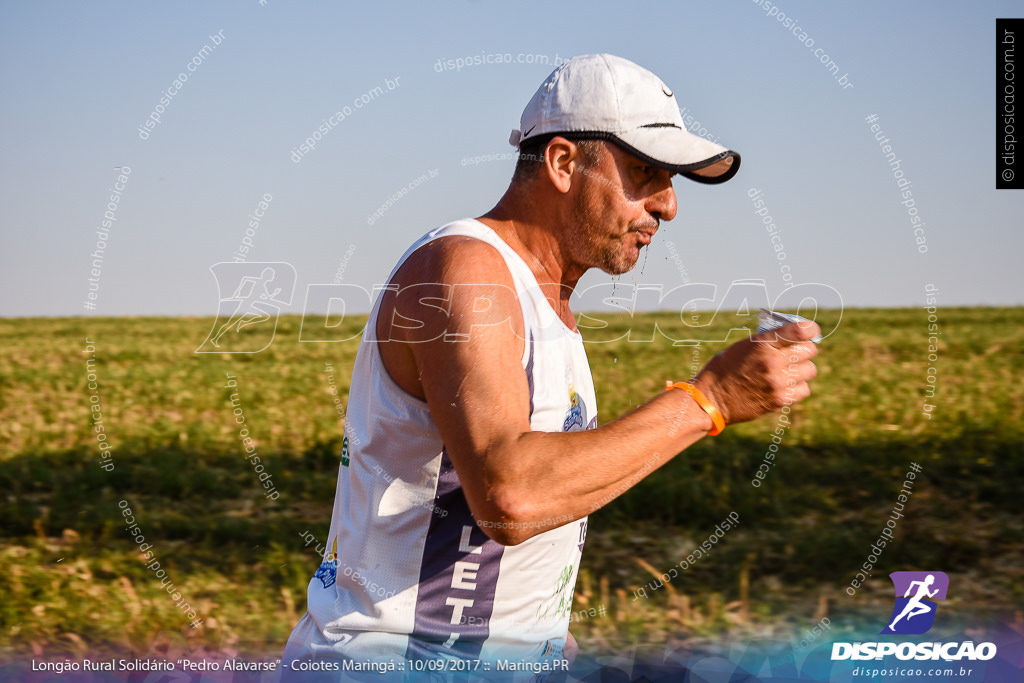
(540, 245)
(541, 249)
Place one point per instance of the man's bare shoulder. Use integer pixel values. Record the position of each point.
(452, 260)
(454, 287)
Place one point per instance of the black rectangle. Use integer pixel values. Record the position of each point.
(1009, 149)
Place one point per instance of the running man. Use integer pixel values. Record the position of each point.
(250, 295)
(915, 606)
(474, 453)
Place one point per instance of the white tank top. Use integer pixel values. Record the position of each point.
(407, 573)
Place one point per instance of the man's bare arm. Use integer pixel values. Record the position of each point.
(460, 348)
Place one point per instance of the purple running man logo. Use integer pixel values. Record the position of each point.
(914, 612)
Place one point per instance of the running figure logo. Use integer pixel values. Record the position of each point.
(258, 291)
(914, 613)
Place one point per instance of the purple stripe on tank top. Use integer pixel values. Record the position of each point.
(458, 577)
(529, 373)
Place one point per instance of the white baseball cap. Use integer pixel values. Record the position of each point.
(607, 97)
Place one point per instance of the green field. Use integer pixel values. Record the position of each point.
(72, 582)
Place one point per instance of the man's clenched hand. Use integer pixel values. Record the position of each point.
(759, 375)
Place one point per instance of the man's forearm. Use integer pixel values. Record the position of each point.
(542, 480)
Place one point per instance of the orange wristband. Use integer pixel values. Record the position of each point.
(717, 420)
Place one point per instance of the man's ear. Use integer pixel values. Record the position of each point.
(561, 159)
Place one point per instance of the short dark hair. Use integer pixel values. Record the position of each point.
(531, 154)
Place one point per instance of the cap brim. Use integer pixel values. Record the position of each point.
(682, 152)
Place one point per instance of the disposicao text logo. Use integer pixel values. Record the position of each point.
(916, 592)
(914, 614)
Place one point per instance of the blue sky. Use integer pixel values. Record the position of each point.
(80, 79)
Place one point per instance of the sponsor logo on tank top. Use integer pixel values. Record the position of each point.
(328, 571)
(576, 416)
